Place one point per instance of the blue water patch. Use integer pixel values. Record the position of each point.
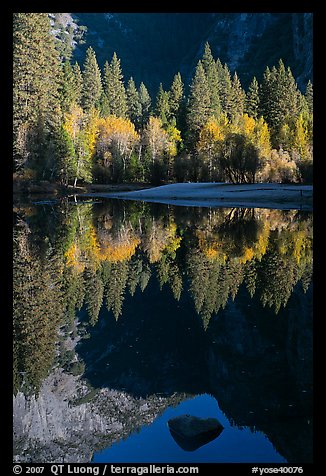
(154, 443)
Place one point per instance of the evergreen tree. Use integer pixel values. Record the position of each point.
(309, 95)
(266, 93)
(279, 98)
(92, 86)
(68, 90)
(114, 88)
(224, 86)
(252, 99)
(237, 99)
(198, 103)
(133, 103)
(145, 101)
(66, 157)
(210, 68)
(36, 82)
(78, 83)
(162, 105)
(104, 100)
(176, 97)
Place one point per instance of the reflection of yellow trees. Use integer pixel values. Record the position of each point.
(116, 139)
(84, 250)
(267, 250)
(119, 248)
(92, 245)
(259, 248)
(211, 246)
(215, 248)
(159, 239)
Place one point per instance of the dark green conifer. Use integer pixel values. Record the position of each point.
(309, 95)
(36, 84)
(162, 105)
(176, 97)
(210, 68)
(92, 85)
(133, 103)
(252, 99)
(114, 88)
(198, 103)
(145, 101)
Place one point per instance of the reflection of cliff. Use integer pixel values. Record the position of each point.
(51, 428)
(261, 372)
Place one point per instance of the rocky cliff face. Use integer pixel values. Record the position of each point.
(154, 46)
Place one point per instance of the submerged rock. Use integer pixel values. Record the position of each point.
(191, 432)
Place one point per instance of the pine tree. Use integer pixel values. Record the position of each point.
(78, 83)
(224, 86)
(36, 82)
(162, 105)
(68, 90)
(145, 101)
(114, 88)
(212, 81)
(309, 95)
(279, 98)
(266, 93)
(133, 103)
(176, 97)
(198, 103)
(252, 99)
(92, 86)
(237, 98)
(104, 100)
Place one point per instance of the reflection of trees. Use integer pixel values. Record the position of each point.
(74, 258)
(37, 310)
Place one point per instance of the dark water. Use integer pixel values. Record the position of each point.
(127, 315)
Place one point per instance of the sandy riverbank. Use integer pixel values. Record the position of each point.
(262, 195)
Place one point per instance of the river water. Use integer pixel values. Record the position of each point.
(129, 314)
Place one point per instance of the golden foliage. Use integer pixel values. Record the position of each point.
(161, 239)
(73, 121)
(118, 132)
(211, 134)
(211, 246)
(73, 258)
(116, 252)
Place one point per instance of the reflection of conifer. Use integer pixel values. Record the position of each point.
(235, 276)
(144, 277)
(116, 286)
(162, 268)
(37, 312)
(251, 277)
(306, 278)
(175, 281)
(276, 280)
(135, 270)
(93, 294)
(73, 287)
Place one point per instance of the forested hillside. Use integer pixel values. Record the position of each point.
(82, 122)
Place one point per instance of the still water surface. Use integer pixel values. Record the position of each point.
(129, 314)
